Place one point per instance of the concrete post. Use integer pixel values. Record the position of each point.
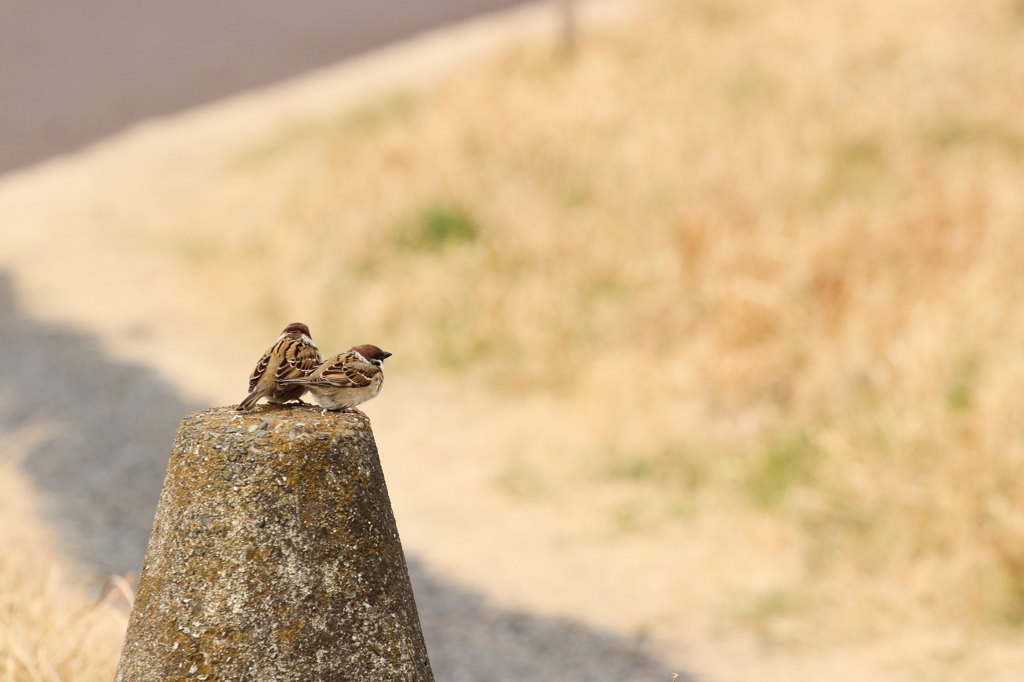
(274, 557)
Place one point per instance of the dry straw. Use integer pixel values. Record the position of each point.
(51, 630)
(779, 240)
(789, 229)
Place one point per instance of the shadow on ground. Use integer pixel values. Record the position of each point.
(470, 640)
(110, 430)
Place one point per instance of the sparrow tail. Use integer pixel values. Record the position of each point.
(250, 401)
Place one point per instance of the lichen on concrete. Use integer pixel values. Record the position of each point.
(274, 556)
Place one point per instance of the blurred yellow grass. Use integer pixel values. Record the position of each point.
(770, 250)
(783, 235)
(50, 629)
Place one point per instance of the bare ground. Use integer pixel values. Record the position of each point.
(107, 432)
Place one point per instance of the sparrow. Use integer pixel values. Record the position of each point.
(346, 379)
(294, 355)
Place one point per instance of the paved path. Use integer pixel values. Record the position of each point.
(74, 71)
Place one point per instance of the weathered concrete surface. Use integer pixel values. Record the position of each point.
(274, 556)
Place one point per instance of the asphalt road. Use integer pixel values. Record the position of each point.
(74, 71)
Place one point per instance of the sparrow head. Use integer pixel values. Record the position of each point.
(373, 354)
(297, 330)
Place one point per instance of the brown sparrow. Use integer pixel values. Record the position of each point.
(346, 379)
(294, 355)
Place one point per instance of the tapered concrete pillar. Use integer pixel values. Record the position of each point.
(274, 557)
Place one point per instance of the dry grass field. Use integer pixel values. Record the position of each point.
(787, 234)
(50, 631)
(762, 258)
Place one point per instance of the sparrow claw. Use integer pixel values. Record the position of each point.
(354, 410)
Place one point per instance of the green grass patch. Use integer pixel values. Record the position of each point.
(436, 227)
(786, 463)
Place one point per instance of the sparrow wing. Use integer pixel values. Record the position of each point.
(346, 373)
(297, 359)
(260, 369)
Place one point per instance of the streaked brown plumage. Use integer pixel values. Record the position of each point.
(346, 379)
(294, 355)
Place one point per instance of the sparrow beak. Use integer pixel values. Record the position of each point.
(386, 355)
